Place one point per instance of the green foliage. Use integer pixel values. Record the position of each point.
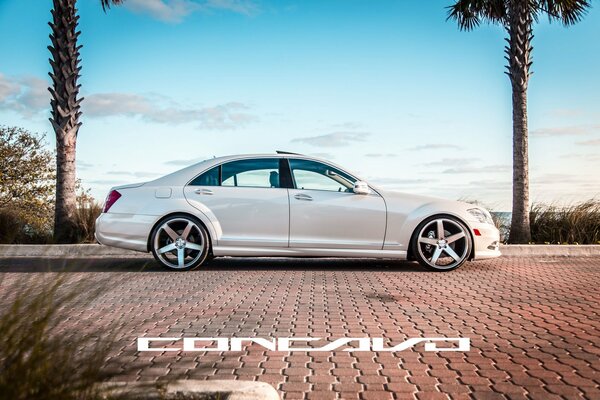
(40, 357)
(575, 224)
(27, 186)
(27, 183)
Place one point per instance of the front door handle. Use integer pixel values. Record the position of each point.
(302, 196)
(203, 191)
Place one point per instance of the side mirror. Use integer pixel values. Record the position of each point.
(361, 187)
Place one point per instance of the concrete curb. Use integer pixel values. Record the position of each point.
(550, 250)
(66, 251)
(226, 389)
(99, 251)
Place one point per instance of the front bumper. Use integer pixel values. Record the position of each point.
(487, 243)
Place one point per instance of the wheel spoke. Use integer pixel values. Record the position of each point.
(180, 257)
(427, 240)
(455, 237)
(172, 234)
(186, 231)
(436, 255)
(451, 253)
(169, 247)
(440, 229)
(193, 246)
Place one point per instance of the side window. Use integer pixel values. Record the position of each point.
(314, 175)
(260, 172)
(209, 178)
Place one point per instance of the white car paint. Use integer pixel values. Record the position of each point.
(244, 221)
(246, 216)
(336, 220)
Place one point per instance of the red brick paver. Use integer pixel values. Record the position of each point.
(534, 324)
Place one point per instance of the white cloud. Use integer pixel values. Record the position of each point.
(336, 139)
(447, 162)
(476, 170)
(107, 182)
(176, 10)
(566, 112)
(27, 96)
(381, 155)
(84, 165)
(326, 156)
(572, 130)
(593, 142)
(401, 181)
(137, 174)
(347, 125)
(436, 146)
(185, 162)
(150, 108)
(8, 88)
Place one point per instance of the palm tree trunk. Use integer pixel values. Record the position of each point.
(519, 62)
(65, 113)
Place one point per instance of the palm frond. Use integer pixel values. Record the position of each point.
(568, 12)
(470, 13)
(107, 3)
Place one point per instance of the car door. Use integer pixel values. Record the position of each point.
(326, 213)
(247, 201)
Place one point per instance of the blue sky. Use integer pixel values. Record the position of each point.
(388, 89)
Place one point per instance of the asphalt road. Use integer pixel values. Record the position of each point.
(533, 324)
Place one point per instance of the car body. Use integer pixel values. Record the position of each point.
(288, 205)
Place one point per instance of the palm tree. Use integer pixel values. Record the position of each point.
(517, 17)
(65, 113)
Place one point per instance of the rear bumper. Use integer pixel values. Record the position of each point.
(487, 244)
(126, 231)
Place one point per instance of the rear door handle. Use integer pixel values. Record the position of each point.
(203, 191)
(302, 196)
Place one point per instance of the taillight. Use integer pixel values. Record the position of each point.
(112, 197)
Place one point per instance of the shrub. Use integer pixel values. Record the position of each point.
(14, 229)
(27, 185)
(577, 223)
(40, 358)
(88, 209)
(27, 182)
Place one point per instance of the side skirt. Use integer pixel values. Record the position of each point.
(239, 251)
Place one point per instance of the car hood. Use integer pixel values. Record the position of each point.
(405, 202)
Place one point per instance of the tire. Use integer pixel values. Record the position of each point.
(441, 251)
(180, 243)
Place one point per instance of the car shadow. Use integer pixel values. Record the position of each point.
(38, 264)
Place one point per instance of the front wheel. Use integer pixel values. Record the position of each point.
(180, 243)
(441, 243)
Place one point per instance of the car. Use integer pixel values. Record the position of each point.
(289, 205)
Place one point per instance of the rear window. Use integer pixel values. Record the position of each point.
(209, 178)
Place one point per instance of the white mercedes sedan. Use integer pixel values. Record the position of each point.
(288, 205)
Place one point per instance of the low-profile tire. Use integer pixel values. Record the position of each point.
(180, 243)
(441, 243)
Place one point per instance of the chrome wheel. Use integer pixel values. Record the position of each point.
(442, 243)
(180, 243)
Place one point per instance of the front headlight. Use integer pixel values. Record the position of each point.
(481, 215)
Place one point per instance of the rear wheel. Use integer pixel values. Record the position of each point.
(180, 242)
(441, 243)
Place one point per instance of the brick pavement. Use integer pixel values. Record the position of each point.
(534, 324)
